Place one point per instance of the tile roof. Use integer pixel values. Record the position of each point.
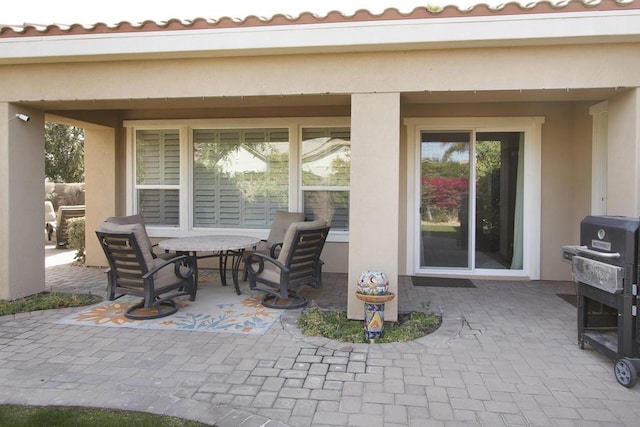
(391, 14)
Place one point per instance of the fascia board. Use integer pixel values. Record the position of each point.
(510, 30)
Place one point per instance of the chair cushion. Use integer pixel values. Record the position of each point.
(131, 219)
(281, 223)
(291, 232)
(125, 220)
(166, 276)
(140, 235)
(270, 273)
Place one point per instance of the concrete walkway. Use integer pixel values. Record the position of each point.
(506, 355)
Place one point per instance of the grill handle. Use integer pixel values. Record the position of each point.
(607, 255)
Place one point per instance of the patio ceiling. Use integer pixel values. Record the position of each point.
(323, 100)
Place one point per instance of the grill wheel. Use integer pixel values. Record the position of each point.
(625, 373)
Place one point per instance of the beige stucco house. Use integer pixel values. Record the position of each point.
(451, 143)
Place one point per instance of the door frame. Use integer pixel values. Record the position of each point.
(531, 127)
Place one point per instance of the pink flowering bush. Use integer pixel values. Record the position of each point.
(444, 194)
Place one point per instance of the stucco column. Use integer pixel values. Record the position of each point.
(623, 155)
(21, 202)
(374, 194)
(100, 171)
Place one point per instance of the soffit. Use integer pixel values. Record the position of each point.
(542, 95)
(193, 103)
(227, 105)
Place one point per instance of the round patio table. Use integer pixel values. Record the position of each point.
(218, 246)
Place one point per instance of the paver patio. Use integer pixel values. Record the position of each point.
(506, 354)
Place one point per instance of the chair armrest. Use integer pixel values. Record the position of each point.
(260, 259)
(155, 255)
(274, 248)
(177, 262)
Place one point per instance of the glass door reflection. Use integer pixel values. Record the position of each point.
(444, 225)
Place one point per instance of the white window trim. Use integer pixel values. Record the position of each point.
(337, 235)
(130, 179)
(532, 129)
(600, 117)
(186, 127)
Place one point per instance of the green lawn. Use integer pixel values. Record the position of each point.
(439, 228)
(56, 416)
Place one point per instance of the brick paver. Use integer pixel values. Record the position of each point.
(506, 354)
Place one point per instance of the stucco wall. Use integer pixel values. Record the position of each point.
(449, 70)
(623, 178)
(100, 181)
(21, 202)
(581, 159)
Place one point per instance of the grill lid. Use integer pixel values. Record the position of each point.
(605, 236)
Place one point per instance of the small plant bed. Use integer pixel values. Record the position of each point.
(47, 301)
(314, 321)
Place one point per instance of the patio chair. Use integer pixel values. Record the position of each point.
(134, 271)
(273, 243)
(298, 264)
(65, 213)
(137, 219)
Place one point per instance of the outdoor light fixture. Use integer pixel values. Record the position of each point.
(19, 116)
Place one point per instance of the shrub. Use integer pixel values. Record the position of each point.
(75, 234)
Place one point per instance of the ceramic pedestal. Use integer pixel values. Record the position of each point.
(374, 314)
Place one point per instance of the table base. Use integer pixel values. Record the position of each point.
(236, 258)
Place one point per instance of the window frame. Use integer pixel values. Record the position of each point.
(531, 127)
(186, 185)
(303, 188)
(137, 187)
(191, 189)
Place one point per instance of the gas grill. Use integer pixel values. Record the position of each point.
(605, 267)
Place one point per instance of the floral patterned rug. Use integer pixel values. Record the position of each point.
(216, 309)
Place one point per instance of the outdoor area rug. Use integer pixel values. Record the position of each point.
(442, 282)
(217, 308)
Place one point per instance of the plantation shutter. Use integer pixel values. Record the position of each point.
(158, 176)
(231, 176)
(326, 175)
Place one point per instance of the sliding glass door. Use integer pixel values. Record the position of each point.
(471, 200)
